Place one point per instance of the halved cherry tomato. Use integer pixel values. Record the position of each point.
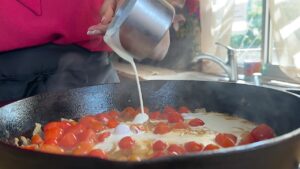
(31, 147)
(232, 137)
(103, 118)
(247, 139)
(262, 132)
(174, 149)
(146, 110)
(103, 136)
(224, 140)
(196, 122)
(83, 148)
(162, 128)
(193, 147)
(169, 109)
(112, 123)
(113, 114)
(53, 134)
(175, 117)
(180, 125)
(51, 125)
(155, 115)
(211, 147)
(65, 124)
(36, 139)
(159, 146)
(183, 109)
(69, 140)
(158, 154)
(91, 122)
(98, 154)
(48, 148)
(129, 113)
(88, 135)
(126, 143)
(76, 129)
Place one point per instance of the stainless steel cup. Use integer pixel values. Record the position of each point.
(139, 26)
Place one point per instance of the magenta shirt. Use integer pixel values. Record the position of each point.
(27, 23)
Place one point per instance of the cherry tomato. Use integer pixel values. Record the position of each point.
(112, 123)
(48, 148)
(211, 147)
(159, 146)
(161, 128)
(76, 129)
(83, 148)
(174, 149)
(53, 134)
(69, 140)
(103, 136)
(97, 126)
(247, 139)
(232, 137)
(193, 147)
(224, 141)
(262, 132)
(183, 109)
(98, 154)
(103, 118)
(155, 115)
(169, 109)
(65, 124)
(180, 125)
(88, 121)
(196, 122)
(129, 113)
(87, 135)
(113, 114)
(126, 143)
(51, 125)
(30, 147)
(175, 117)
(158, 154)
(36, 139)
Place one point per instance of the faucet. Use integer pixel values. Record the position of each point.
(230, 66)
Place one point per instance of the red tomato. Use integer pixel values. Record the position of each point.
(112, 123)
(232, 137)
(53, 134)
(83, 148)
(103, 118)
(48, 148)
(98, 154)
(97, 126)
(69, 140)
(247, 139)
(76, 129)
(159, 146)
(155, 115)
(224, 141)
(126, 143)
(161, 128)
(174, 149)
(180, 125)
(262, 132)
(129, 113)
(175, 117)
(103, 136)
(89, 121)
(113, 114)
(36, 139)
(169, 109)
(51, 125)
(87, 135)
(65, 124)
(30, 147)
(193, 147)
(183, 109)
(158, 154)
(211, 147)
(196, 122)
(146, 110)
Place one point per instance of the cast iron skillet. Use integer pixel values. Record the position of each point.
(278, 109)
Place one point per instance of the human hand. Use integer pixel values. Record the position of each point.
(107, 13)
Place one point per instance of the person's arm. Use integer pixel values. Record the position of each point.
(107, 12)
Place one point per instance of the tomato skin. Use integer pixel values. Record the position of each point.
(232, 137)
(69, 140)
(211, 147)
(98, 154)
(103, 118)
(162, 128)
(193, 147)
(175, 117)
(65, 124)
(183, 109)
(126, 143)
(30, 147)
(92, 122)
(158, 154)
(155, 115)
(48, 148)
(129, 113)
(103, 136)
(51, 125)
(247, 139)
(76, 129)
(196, 122)
(180, 125)
(53, 134)
(87, 135)
(83, 148)
(262, 132)
(36, 139)
(113, 114)
(169, 110)
(159, 146)
(174, 149)
(224, 141)
(112, 123)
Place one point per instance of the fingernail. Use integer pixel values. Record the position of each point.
(93, 32)
(103, 19)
